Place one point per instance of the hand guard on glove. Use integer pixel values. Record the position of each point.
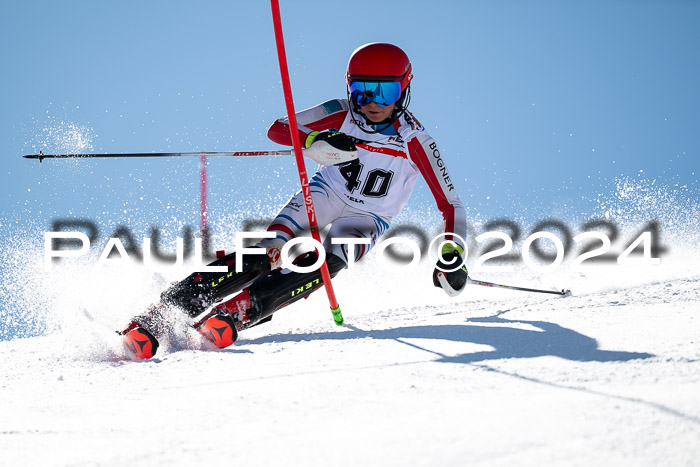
(455, 281)
(330, 147)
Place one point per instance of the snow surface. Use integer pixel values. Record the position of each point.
(608, 376)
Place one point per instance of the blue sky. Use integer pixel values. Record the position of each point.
(537, 106)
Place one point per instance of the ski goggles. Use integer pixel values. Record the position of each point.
(382, 92)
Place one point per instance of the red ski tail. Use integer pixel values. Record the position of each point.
(140, 343)
(220, 330)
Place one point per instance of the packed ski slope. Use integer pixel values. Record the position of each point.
(608, 376)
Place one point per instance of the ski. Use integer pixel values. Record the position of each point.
(217, 326)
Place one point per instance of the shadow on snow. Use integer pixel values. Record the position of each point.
(508, 342)
(548, 339)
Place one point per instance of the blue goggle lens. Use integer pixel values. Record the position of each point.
(382, 92)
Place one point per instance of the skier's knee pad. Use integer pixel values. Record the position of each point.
(200, 290)
(281, 287)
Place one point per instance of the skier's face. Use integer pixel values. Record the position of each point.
(376, 113)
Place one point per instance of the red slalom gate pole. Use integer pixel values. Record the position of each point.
(301, 166)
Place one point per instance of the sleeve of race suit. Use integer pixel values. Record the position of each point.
(330, 114)
(423, 151)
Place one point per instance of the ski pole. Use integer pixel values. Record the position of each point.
(41, 156)
(301, 167)
(452, 292)
(562, 292)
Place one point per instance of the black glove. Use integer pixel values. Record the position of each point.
(335, 138)
(449, 259)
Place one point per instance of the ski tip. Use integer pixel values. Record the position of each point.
(566, 293)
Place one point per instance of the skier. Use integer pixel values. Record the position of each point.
(372, 150)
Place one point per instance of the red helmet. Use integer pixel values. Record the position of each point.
(379, 61)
